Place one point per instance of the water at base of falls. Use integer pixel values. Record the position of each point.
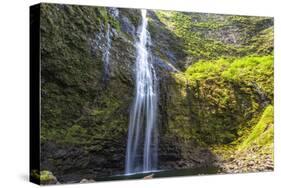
(142, 145)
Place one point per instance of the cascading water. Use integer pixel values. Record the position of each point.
(106, 54)
(114, 12)
(142, 145)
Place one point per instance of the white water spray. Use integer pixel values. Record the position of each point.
(142, 145)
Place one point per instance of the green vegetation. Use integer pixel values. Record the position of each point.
(195, 43)
(253, 70)
(77, 134)
(221, 97)
(45, 177)
(210, 36)
(203, 70)
(262, 133)
(253, 151)
(76, 108)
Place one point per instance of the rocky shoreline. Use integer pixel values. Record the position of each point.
(247, 161)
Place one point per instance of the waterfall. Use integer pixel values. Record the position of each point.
(142, 145)
(106, 54)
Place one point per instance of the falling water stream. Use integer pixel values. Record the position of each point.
(142, 145)
(107, 54)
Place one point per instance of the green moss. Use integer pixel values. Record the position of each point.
(262, 43)
(255, 141)
(47, 177)
(195, 43)
(77, 135)
(194, 29)
(253, 70)
(177, 109)
(203, 70)
(262, 133)
(108, 19)
(76, 108)
(114, 23)
(213, 100)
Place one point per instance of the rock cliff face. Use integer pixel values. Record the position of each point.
(85, 109)
(87, 85)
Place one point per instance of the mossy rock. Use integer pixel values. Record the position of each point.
(212, 100)
(262, 133)
(210, 36)
(47, 177)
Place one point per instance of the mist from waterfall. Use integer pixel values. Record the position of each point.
(142, 145)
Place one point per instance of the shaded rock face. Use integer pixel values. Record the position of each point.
(72, 163)
(85, 117)
(166, 47)
(176, 153)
